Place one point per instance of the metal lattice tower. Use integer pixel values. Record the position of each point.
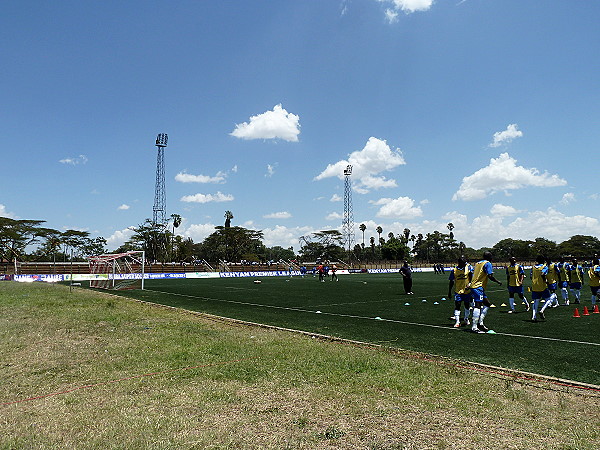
(348, 221)
(159, 211)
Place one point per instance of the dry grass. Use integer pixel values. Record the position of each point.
(257, 388)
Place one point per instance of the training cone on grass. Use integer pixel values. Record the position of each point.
(596, 310)
(585, 311)
(576, 313)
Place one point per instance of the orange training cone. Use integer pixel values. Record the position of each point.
(585, 311)
(596, 310)
(576, 313)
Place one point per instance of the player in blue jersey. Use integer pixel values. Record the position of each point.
(459, 278)
(482, 272)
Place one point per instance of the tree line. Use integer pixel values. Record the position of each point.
(30, 240)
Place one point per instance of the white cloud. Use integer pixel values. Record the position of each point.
(5, 213)
(334, 216)
(503, 210)
(550, 224)
(391, 15)
(118, 238)
(567, 198)
(81, 159)
(335, 198)
(276, 124)
(278, 215)
(207, 198)
(407, 6)
(270, 170)
(123, 207)
(506, 136)
(284, 236)
(374, 158)
(503, 174)
(184, 177)
(397, 208)
(198, 232)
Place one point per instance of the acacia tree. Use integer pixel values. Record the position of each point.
(148, 236)
(325, 244)
(17, 235)
(394, 249)
(580, 246)
(231, 244)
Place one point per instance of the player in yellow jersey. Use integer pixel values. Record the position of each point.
(563, 282)
(553, 279)
(575, 279)
(459, 278)
(539, 288)
(594, 274)
(515, 274)
(481, 273)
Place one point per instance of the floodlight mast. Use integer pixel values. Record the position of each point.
(159, 211)
(348, 220)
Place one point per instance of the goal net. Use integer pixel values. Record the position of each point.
(118, 270)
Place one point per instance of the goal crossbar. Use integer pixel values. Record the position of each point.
(118, 270)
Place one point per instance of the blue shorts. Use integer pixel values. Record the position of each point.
(536, 295)
(515, 289)
(478, 294)
(552, 286)
(594, 289)
(462, 298)
(564, 284)
(575, 285)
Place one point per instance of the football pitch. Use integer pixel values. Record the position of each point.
(373, 308)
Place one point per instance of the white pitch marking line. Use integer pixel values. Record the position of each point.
(352, 316)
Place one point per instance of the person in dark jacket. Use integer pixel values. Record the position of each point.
(406, 277)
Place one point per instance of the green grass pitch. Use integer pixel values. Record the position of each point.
(371, 308)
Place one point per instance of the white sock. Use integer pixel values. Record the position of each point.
(593, 299)
(536, 303)
(483, 313)
(554, 298)
(565, 293)
(511, 302)
(457, 315)
(546, 305)
(476, 313)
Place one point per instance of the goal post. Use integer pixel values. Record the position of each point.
(118, 271)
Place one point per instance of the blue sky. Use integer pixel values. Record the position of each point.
(478, 112)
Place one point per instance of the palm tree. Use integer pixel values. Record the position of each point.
(176, 222)
(379, 231)
(228, 217)
(362, 227)
(450, 227)
(406, 234)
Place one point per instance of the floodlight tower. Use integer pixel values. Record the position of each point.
(159, 211)
(348, 221)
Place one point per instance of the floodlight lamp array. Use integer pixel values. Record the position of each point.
(161, 140)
